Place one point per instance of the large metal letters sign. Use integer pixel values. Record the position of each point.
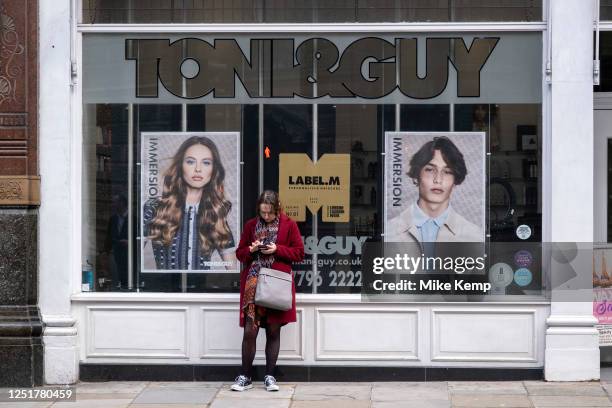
(293, 68)
(321, 70)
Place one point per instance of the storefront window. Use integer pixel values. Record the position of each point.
(309, 11)
(293, 110)
(112, 208)
(605, 58)
(357, 130)
(289, 129)
(605, 10)
(514, 175)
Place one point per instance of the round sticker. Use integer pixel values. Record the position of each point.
(501, 275)
(523, 277)
(523, 259)
(523, 231)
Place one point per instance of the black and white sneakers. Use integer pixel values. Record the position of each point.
(270, 383)
(241, 383)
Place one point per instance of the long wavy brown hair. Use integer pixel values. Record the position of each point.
(213, 230)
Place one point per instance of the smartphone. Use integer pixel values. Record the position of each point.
(260, 247)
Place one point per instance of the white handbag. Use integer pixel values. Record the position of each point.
(274, 289)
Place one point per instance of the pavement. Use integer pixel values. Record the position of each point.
(459, 394)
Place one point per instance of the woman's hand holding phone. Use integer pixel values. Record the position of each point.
(254, 247)
(260, 246)
(269, 249)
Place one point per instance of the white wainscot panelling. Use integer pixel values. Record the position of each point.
(366, 334)
(221, 337)
(137, 332)
(484, 335)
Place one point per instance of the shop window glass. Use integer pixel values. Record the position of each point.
(283, 116)
(513, 183)
(605, 62)
(289, 129)
(308, 11)
(425, 118)
(514, 169)
(605, 10)
(358, 131)
(108, 198)
(609, 206)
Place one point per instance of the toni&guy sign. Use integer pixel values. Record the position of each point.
(368, 67)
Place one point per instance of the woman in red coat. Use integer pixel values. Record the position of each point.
(270, 240)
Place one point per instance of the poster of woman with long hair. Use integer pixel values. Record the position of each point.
(190, 201)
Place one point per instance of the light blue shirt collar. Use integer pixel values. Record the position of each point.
(428, 227)
(419, 217)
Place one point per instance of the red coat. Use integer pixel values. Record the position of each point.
(289, 248)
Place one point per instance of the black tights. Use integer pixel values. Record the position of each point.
(249, 346)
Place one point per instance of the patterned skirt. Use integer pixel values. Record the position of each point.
(249, 309)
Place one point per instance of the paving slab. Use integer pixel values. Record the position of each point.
(487, 387)
(168, 406)
(111, 387)
(414, 403)
(187, 384)
(250, 403)
(338, 403)
(307, 392)
(400, 384)
(107, 403)
(257, 392)
(490, 401)
(607, 387)
(101, 396)
(569, 401)
(181, 395)
(338, 383)
(410, 391)
(593, 389)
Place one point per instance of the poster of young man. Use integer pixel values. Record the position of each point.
(189, 201)
(434, 187)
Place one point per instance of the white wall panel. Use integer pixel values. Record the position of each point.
(161, 329)
(484, 335)
(141, 332)
(366, 334)
(221, 337)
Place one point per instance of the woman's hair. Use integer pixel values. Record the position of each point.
(450, 153)
(213, 230)
(269, 197)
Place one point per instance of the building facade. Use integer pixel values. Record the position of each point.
(21, 348)
(282, 87)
